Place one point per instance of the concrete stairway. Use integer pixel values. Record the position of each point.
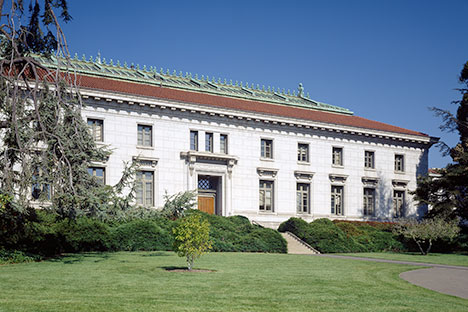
(298, 247)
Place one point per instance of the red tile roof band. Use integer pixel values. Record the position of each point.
(101, 83)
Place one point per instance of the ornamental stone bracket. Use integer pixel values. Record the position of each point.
(338, 178)
(267, 172)
(370, 181)
(146, 161)
(192, 157)
(304, 175)
(400, 184)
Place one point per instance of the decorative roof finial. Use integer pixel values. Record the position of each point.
(76, 56)
(98, 58)
(83, 58)
(301, 90)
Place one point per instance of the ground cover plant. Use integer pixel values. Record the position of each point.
(438, 258)
(140, 281)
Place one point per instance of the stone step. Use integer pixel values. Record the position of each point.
(298, 247)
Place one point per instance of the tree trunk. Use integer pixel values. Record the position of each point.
(189, 263)
(429, 247)
(420, 248)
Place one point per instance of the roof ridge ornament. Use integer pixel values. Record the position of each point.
(98, 57)
(301, 90)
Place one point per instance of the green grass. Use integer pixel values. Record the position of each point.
(448, 259)
(242, 282)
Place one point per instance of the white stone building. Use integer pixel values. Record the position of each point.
(252, 151)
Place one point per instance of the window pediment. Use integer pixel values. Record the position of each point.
(304, 175)
(267, 172)
(338, 178)
(370, 181)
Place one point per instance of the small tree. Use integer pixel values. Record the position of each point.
(425, 232)
(192, 238)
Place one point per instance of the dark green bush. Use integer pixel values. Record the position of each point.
(84, 234)
(140, 235)
(236, 233)
(16, 256)
(343, 236)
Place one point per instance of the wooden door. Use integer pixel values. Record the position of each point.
(206, 204)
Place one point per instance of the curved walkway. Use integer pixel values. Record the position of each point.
(447, 279)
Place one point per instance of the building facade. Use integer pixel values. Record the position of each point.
(251, 151)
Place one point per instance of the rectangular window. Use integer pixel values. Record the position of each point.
(223, 143)
(209, 142)
(400, 163)
(144, 188)
(337, 156)
(98, 173)
(302, 197)
(303, 152)
(337, 200)
(40, 189)
(266, 196)
(369, 159)
(368, 201)
(398, 203)
(145, 135)
(266, 148)
(97, 129)
(194, 140)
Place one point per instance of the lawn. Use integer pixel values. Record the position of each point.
(242, 282)
(449, 259)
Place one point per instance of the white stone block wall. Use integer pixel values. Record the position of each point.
(171, 136)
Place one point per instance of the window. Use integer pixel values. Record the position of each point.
(145, 135)
(266, 196)
(337, 156)
(303, 152)
(302, 197)
(194, 140)
(40, 189)
(266, 148)
(337, 200)
(97, 127)
(369, 160)
(98, 173)
(368, 201)
(223, 143)
(398, 203)
(144, 188)
(209, 142)
(400, 163)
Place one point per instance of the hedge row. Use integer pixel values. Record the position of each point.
(47, 236)
(331, 237)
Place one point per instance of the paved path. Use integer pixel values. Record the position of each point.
(447, 279)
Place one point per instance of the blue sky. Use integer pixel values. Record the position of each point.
(385, 60)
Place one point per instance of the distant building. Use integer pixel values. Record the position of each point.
(248, 150)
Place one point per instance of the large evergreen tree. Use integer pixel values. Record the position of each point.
(448, 194)
(45, 146)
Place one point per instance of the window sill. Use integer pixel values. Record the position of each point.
(338, 166)
(267, 212)
(304, 163)
(145, 147)
(266, 159)
(370, 169)
(399, 172)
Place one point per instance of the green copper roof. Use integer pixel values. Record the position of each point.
(187, 81)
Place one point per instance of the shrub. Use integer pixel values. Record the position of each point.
(16, 256)
(84, 234)
(343, 236)
(236, 233)
(140, 235)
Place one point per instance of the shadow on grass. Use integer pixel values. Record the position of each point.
(183, 269)
(157, 254)
(78, 258)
